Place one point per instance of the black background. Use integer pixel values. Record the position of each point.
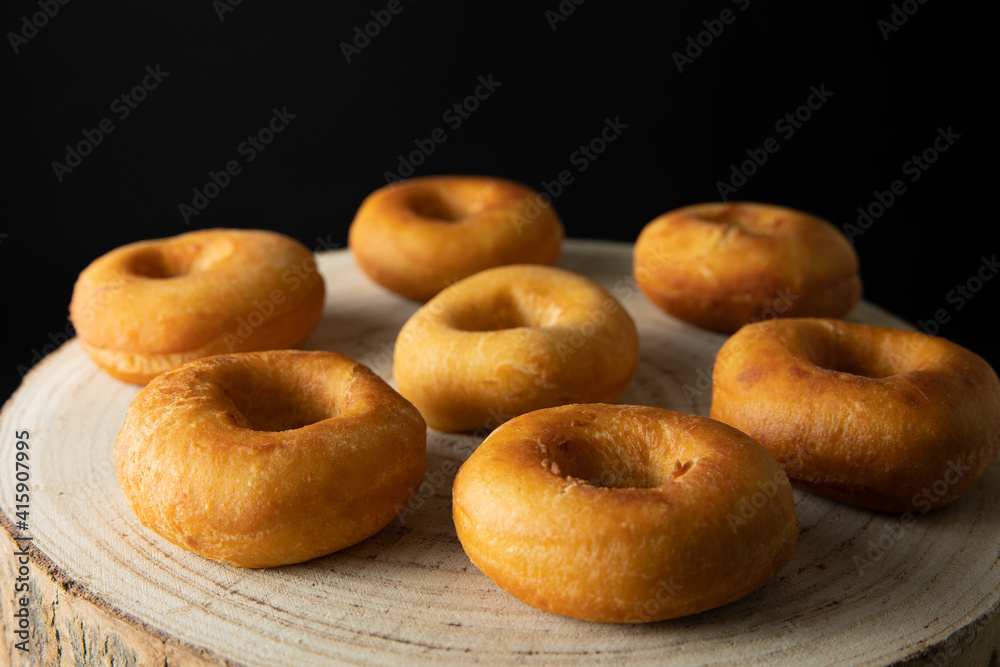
(891, 90)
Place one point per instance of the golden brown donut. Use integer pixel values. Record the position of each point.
(152, 305)
(418, 236)
(261, 459)
(721, 265)
(882, 418)
(513, 339)
(622, 514)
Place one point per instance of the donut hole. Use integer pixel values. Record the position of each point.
(276, 401)
(869, 368)
(165, 261)
(861, 358)
(604, 463)
(503, 311)
(157, 264)
(744, 218)
(432, 205)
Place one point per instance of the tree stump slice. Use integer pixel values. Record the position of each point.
(862, 587)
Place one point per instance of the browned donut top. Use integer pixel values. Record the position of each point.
(741, 246)
(182, 293)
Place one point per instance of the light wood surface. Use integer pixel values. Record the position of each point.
(862, 588)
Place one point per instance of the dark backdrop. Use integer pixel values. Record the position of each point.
(692, 95)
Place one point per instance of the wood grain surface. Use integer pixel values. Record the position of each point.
(862, 587)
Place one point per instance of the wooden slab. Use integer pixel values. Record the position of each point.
(862, 588)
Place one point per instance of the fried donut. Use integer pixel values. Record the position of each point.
(260, 459)
(622, 514)
(418, 236)
(513, 339)
(882, 418)
(721, 265)
(152, 305)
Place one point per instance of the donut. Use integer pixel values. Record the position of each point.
(417, 236)
(719, 266)
(260, 459)
(623, 513)
(152, 305)
(510, 340)
(882, 418)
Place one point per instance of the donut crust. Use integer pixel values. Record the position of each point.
(152, 305)
(882, 418)
(623, 514)
(417, 236)
(722, 265)
(513, 339)
(263, 459)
